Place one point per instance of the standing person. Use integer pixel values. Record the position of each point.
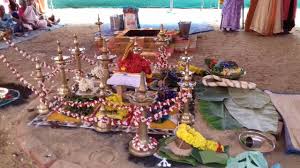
(267, 17)
(251, 11)
(289, 14)
(231, 14)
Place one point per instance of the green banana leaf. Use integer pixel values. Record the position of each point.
(210, 158)
(263, 119)
(210, 93)
(217, 116)
(180, 159)
(249, 98)
(206, 158)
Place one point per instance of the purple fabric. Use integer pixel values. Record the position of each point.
(231, 14)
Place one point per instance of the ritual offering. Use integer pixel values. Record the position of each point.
(257, 141)
(3, 92)
(190, 147)
(196, 70)
(225, 69)
(153, 107)
(167, 78)
(8, 96)
(150, 99)
(108, 100)
(194, 138)
(132, 62)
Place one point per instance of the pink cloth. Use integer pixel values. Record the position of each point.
(31, 18)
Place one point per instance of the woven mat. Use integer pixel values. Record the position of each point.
(29, 35)
(288, 105)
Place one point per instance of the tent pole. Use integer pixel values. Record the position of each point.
(171, 5)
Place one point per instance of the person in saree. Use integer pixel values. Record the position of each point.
(289, 8)
(231, 14)
(253, 4)
(41, 13)
(266, 18)
(29, 17)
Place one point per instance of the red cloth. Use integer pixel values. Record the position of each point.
(21, 11)
(286, 7)
(134, 63)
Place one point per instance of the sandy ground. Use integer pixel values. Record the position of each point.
(271, 62)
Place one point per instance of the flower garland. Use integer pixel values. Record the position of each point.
(194, 138)
(136, 118)
(163, 56)
(136, 143)
(93, 117)
(42, 92)
(176, 102)
(85, 58)
(26, 55)
(18, 75)
(50, 75)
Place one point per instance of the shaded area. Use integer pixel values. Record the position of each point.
(133, 3)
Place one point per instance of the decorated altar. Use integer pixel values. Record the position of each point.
(152, 99)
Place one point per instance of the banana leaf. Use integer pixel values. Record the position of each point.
(263, 119)
(180, 159)
(249, 98)
(206, 158)
(210, 158)
(217, 116)
(210, 93)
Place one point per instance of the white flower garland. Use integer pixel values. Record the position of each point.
(98, 72)
(140, 147)
(26, 55)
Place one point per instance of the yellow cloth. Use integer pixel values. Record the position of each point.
(62, 118)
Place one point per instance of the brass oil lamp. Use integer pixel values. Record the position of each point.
(39, 77)
(142, 98)
(187, 85)
(60, 60)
